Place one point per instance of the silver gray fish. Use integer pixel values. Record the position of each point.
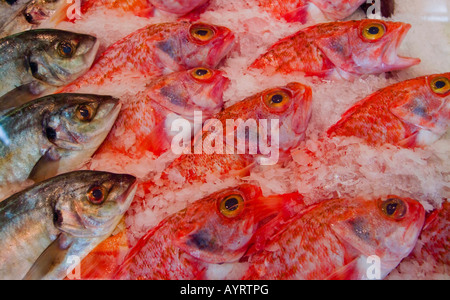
(30, 15)
(47, 228)
(53, 134)
(39, 61)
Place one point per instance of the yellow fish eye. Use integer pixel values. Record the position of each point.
(440, 85)
(231, 206)
(65, 49)
(202, 33)
(97, 194)
(374, 31)
(85, 112)
(202, 73)
(394, 208)
(277, 100)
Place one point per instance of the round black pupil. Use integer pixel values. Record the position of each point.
(390, 208)
(84, 112)
(97, 194)
(50, 133)
(66, 49)
(201, 72)
(439, 84)
(277, 98)
(231, 204)
(29, 17)
(374, 30)
(202, 32)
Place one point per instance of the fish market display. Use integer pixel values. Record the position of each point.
(32, 14)
(299, 10)
(38, 61)
(349, 48)
(53, 135)
(336, 238)
(68, 215)
(159, 49)
(214, 230)
(290, 105)
(166, 99)
(412, 113)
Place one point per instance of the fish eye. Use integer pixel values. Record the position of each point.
(277, 100)
(201, 73)
(394, 208)
(85, 112)
(65, 49)
(440, 85)
(374, 31)
(202, 33)
(231, 206)
(97, 194)
(28, 17)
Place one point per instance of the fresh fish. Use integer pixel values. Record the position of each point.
(145, 124)
(43, 228)
(159, 49)
(38, 61)
(351, 49)
(214, 230)
(31, 16)
(338, 239)
(290, 105)
(299, 10)
(412, 113)
(53, 134)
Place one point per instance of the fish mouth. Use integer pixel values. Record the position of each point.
(216, 93)
(218, 52)
(303, 111)
(127, 196)
(390, 55)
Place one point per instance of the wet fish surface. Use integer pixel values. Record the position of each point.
(39, 61)
(412, 113)
(68, 215)
(53, 135)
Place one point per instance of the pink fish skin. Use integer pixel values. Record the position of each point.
(352, 49)
(334, 239)
(178, 7)
(159, 49)
(412, 113)
(298, 10)
(213, 230)
(148, 117)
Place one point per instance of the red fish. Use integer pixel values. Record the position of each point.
(211, 231)
(413, 113)
(351, 48)
(144, 124)
(178, 7)
(289, 105)
(156, 50)
(298, 10)
(338, 239)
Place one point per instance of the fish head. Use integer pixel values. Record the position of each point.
(291, 105)
(338, 10)
(205, 45)
(80, 122)
(219, 228)
(367, 46)
(198, 89)
(387, 227)
(178, 7)
(92, 203)
(60, 57)
(424, 103)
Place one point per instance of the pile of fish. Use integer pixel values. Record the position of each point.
(85, 159)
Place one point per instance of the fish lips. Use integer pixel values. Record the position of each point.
(220, 48)
(390, 55)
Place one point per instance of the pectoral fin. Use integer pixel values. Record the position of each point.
(53, 256)
(21, 95)
(45, 168)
